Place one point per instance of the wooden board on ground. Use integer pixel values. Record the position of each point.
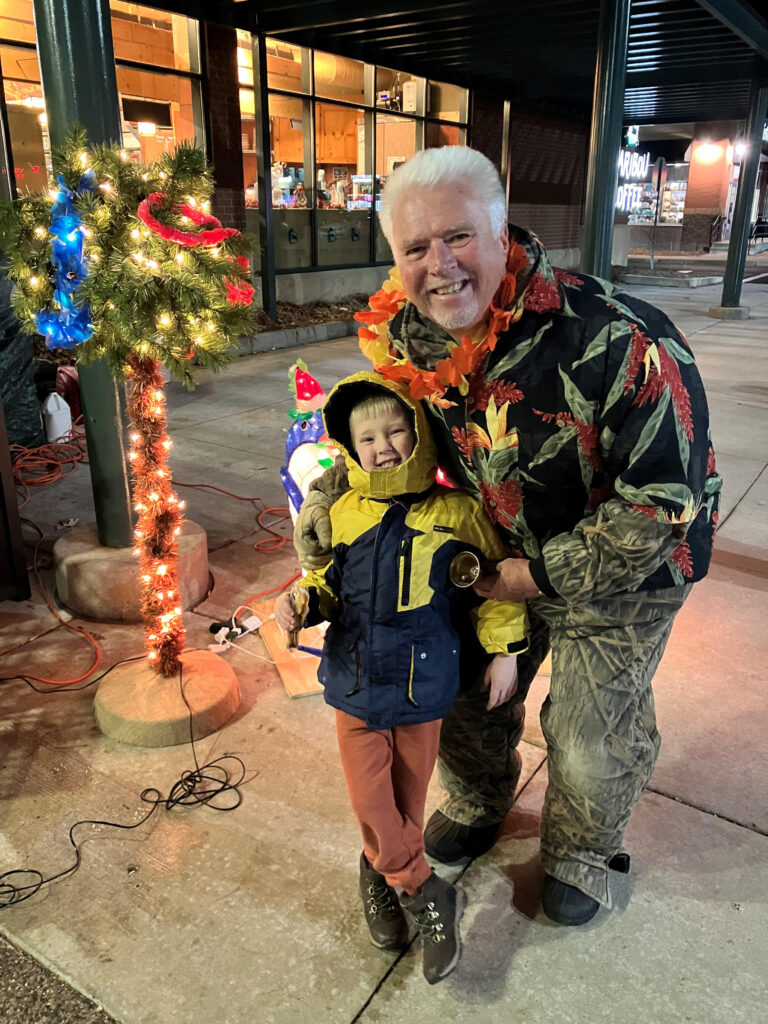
(298, 670)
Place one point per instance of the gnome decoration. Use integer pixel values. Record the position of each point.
(308, 452)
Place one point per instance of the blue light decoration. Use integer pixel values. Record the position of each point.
(307, 455)
(70, 324)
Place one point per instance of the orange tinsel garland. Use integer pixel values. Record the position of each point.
(160, 516)
(462, 360)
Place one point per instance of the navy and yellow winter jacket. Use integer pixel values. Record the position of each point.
(397, 626)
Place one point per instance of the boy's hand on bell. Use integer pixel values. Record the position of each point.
(285, 616)
(500, 679)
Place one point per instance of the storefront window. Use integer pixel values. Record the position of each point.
(287, 67)
(289, 145)
(17, 21)
(339, 78)
(328, 115)
(247, 121)
(397, 140)
(396, 90)
(673, 194)
(147, 35)
(159, 111)
(643, 210)
(244, 58)
(447, 102)
(438, 135)
(292, 189)
(343, 190)
(27, 124)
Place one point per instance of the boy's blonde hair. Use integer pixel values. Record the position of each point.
(374, 405)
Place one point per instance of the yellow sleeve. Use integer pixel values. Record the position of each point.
(501, 626)
(323, 601)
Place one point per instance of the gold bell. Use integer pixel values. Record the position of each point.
(464, 569)
(299, 600)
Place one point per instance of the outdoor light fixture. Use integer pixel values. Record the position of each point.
(708, 152)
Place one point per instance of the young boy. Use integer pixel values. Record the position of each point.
(390, 664)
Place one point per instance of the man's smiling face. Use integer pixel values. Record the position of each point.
(451, 264)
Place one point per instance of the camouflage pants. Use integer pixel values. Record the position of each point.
(598, 720)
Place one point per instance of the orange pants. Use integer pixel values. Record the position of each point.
(387, 773)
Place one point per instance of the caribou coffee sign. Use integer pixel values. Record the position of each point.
(633, 167)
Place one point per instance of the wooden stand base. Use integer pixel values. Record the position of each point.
(136, 705)
(298, 670)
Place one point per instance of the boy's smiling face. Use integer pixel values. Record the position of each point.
(383, 440)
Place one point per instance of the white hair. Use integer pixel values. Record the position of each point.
(448, 165)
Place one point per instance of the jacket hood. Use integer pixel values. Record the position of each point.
(413, 476)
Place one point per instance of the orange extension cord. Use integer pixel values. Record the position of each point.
(36, 467)
(55, 612)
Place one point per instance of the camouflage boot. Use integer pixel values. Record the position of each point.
(385, 919)
(437, 908)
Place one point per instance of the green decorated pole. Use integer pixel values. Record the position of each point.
(77, 65)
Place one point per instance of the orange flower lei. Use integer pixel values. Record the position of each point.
(376, 341)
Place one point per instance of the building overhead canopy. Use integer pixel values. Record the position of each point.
(688, 60)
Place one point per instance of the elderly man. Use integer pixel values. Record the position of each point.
(575, 413)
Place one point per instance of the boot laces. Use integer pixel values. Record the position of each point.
(380, 899)
(430, 925)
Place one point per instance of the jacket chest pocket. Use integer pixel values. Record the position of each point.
(406, 569)
(416, 555)
(433, 678)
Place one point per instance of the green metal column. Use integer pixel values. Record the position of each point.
(750, 165)
(77, 65)
(605, 136)
(264, 176)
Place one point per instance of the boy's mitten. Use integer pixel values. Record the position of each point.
(312, 533)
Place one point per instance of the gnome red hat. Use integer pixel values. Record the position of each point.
(309, 394)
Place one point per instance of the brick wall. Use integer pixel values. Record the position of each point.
(487, 126)
(709, 173)
(696, 232)
(548, 160)
(224, 130)
(547, 165)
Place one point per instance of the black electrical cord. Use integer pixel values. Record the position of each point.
(200, 786)
(70, 689)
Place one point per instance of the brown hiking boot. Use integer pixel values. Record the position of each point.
(385, 919)
(437, 908)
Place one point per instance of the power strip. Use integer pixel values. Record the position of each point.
(226, 632)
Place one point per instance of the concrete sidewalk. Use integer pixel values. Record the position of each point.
(252, 916)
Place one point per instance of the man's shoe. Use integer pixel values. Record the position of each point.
(450, 842)
(437, 908)
(565, 903)
(386, 921)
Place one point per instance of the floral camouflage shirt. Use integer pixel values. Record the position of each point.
(585, 434)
